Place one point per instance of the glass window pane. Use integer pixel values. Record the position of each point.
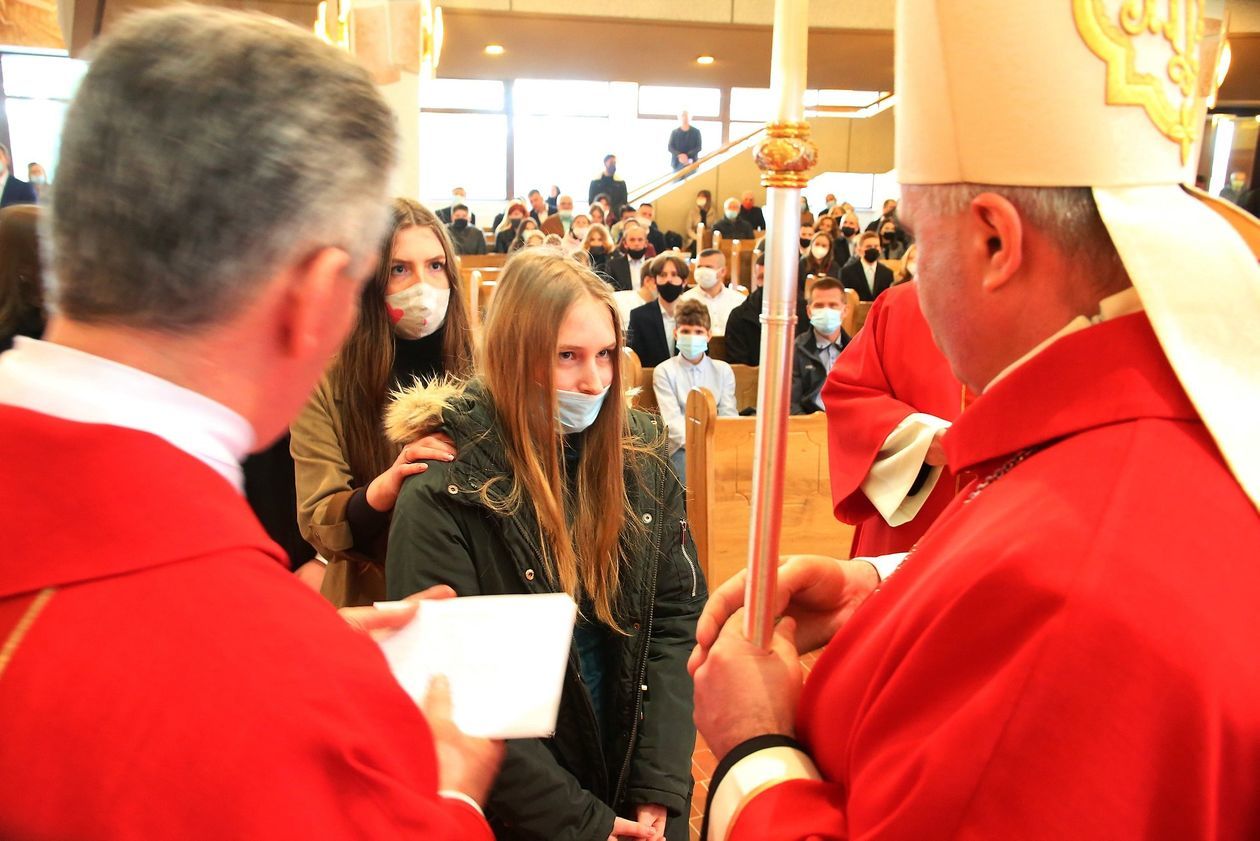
(543, 158)
(473, 94)
(559, 97)
(857, 188)
(35, 132)
(41, 76)
(750, 104)
(701, 102)
(463, 150)
(741, 130)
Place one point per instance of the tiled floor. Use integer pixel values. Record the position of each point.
(704, 763)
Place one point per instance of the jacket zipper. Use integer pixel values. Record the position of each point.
(641, 687)
(682, 543)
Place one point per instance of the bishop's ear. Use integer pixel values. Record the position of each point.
(998, 233)
(322, 303)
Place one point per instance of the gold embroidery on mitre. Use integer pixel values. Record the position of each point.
(1113, 37)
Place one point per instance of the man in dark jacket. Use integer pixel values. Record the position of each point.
(651, 330)
(458, 196)
(466, 238)
(868, 277)
(684, 143)
(732, 225)
(818, 349)
(743, 327)
(889, 212)
(15, 190)
(750, 212)
(625, 265)
(609, 184)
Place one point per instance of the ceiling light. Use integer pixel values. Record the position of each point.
(704, 59)
(495, 49)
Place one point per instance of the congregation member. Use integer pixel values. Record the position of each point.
(1042, 664)
(826, 225)
(819, 261)
(466, 238)
(732, 225)
(538, 208)
(38, 179)
(909, 266)
(553, 198)
(807, 236)
(890, 399)
(556, 477)
(888, 212)
(828, 203)
(625, 214)
(572, 241)
(608, 185)
(847, 240)
(598, 247)
(507, 226)
(447, 214)
(164, 675)
(651, 331)
(656, 237)
(684, 143)
(750, 212)
(625, 265)
(13, 190)
(702, 212)
(713, 290)
(743, 327)
(412, 324)
(597, 213)
(892, 243)
(563, 214)
(22, 310)
(868, 277)
(818, 348)
(691, 368)
(628, 300)
(527, 227)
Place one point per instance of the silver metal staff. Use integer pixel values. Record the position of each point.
(784, 158)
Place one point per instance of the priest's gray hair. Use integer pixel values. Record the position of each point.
(1067, 216)
(205, 151)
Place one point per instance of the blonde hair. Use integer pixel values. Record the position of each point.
(517, 362)
(596, 228)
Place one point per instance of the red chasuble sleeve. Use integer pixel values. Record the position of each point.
(891, 370)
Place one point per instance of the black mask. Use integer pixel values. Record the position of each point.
(888, 235)
(636, 253)
(515, 223)
(805, 242)
(848, 230)
(459, 224)
(871, 254)
(597, 251)
(669, 292)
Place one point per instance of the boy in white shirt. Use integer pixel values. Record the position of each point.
(690, 368)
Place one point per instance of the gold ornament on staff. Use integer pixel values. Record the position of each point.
(784, 157)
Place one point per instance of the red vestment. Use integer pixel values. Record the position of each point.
(1072, 653)
(169, 678)
(890, 370)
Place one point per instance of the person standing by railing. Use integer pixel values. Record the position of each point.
(684, 143)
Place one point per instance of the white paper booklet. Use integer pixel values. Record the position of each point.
(504, 657)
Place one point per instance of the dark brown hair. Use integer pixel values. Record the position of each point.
(21, 288)
(362, 371)
(692, 314)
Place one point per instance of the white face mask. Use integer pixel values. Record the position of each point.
(418, 311)
(579, 233)
(576, 411)
(819, 252)
(707, 277)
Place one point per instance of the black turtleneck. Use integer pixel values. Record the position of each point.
(413, 358)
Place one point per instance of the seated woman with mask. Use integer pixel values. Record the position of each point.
(559, 487)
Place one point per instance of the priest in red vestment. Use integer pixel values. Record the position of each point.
(162, 674)
(890, 398)
(1069, 651)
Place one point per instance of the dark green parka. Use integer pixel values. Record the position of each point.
(568, 787)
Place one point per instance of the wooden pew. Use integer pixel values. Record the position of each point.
(717, 347)
(481, 261)
(746, 379)
(719, 489)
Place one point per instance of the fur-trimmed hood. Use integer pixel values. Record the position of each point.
(422, 408)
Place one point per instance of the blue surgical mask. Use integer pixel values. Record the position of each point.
(692, 346)
(825, 322)
(575, 411)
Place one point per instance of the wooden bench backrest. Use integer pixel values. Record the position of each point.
(481, 261)
(720, 455)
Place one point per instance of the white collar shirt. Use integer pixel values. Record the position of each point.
(72, 385)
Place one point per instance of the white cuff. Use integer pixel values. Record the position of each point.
(888, 483)
(885, 565)
(452, 794)
(751, 776)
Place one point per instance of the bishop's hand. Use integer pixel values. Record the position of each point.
(820, 593)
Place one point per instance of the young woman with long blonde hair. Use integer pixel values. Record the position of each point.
(559, 487)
